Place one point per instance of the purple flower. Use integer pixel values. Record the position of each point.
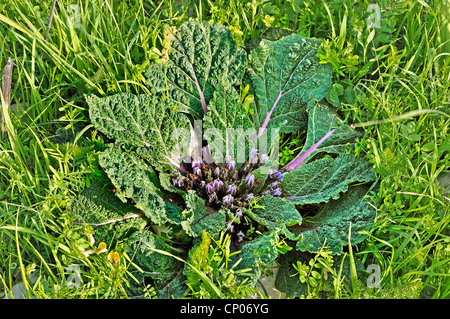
(230, 227)
(178, 182)
(267, 192)
(276, 192)
(279, 175)
(197, 171)
(253, 155)
(231, 189)
(250, 180)
(271, 173)
(239, 213)
(210, 187)
(264, 159)
(228, 200)
(249, 197)
(274, 184)
(240, 235)
(231, 165)
(197, 163)
(217, 171)
(217, 183)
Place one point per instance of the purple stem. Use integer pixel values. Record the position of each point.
(200, 92)
(303, 196)
(296, 162)
(181, 168)
(267, 119)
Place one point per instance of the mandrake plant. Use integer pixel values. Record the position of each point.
(195, 156)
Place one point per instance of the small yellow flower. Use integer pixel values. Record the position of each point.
(102, 248)
(114, 258)
(268, 20)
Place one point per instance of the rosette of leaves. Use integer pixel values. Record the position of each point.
(189, 156)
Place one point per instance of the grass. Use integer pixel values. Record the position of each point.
(50, 151)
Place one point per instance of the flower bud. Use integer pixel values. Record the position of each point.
(231, 189)
(230, 227)
(197, 163)
(249, 197)
(276, 192)
(231, 165)
(239, 213)
(217, 172)
(178, 182)
(250, 180)
(253, 155)
(228, 200)
(240, 236)
(274, 184)
(263, 159)
(217, 183)
(210, 187)
(279, 175)
(197, 171)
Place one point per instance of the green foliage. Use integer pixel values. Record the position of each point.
(199, 217)
(161, 269)
(102, 211)
(213, 256)
(286, 79)
(325, 179)
(402, 66)
(276, 214)
(352, 209)
(202, 56)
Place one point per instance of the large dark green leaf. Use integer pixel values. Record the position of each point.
(286, 79)
(227, 126)
(164, 270)
(325, 178)
(331, 225)
(202, 56)
(107, 215)
(143, 121)
(326, 133)
(134, 179)
(198, 217)
(276, 213)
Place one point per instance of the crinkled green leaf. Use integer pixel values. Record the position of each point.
(198, 217)
(106, 214)
(133, 177)
(323, 121)
(331, 224)
(202, 56)
(141, 120)
(287, 279)
(261, 250)
(276, 213)
(325, 178)
(257, 254)
(227, 126)
(163, 269)
(286, 79)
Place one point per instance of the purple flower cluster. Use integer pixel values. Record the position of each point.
(229, 185)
